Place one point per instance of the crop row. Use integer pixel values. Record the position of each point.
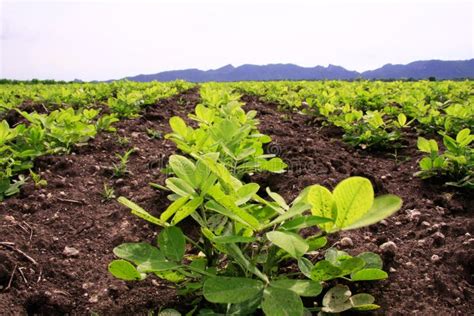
(379, 114)
(249, 237)
(72, 117)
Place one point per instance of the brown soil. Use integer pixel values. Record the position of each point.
(432, 267)
(431, 271)
(71, 212)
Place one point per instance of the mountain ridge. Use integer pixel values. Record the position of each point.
(422, 69)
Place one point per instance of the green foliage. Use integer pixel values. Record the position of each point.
(120, 169)
(374, 114)
(39, 182)
(71, 117)
(340, 299)
(108, 193)
(351, 204)
(8, 188)
(456, 163)
(246, 238)
(153, 133)
(225, 128)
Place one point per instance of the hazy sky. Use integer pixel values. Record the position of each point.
(112, 39)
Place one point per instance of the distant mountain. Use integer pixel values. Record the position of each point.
(416, 70)
(423, 69)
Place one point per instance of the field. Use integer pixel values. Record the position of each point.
(237, 198)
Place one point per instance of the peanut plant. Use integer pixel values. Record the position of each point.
(456, 163)
(248, 241)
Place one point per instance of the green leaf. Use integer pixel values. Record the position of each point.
(204, 114)
(383, 207)
(292, 243)
(172, 243)
(423, 145)
(335, 256)
(236, 253)
(372, 260)
(305, 266)
(138, 252)
(245, 193)
(323, 271)
(229, 204)
(295, 209)
(439, 161)
(370, 274)
(433, 146)
(275, 165)
(352, 264)
(463, 135)
(169, 312)
(365, 308)
(231, 290)
(173, 208)
(183, 168)
(187, 209)
(178, 126)
(179, 186)
(233, 239)
(278, 199)
(316, 243)
(362, 299)
(402, 119)
(450, 143)
(140, 212)
(281, 302)
(306, 288)
(337, 299)
(245, 308)
(305, 222)
(157, 266)
(124, 270)
(426, 163)
(216, 207)
(169, 274)
(321, 202)
(353, 196)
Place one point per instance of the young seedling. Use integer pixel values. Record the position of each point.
(456, 163)
(246, 240)
(123, 140)
(108, 193)
(120, 169)
(153, 133)
(39, 182)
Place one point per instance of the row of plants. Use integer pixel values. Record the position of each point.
(432, 105)
(76, 120)
(378, 114)
(455, 163)
(125, 98)
(254, 251)
(44, 134)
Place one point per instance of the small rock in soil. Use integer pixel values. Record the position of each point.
(70, 252)
(10, 218)
(413, 214)
(435, 258)
(389, 248)
(438, 238)
(346, 242)
(94, 298)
